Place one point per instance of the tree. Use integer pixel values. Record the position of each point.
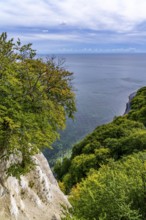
(115, 192)
(35, 98)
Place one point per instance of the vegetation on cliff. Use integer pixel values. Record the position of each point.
(35, 98)
(106, 174)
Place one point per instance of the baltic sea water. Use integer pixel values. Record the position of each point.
(102, 84)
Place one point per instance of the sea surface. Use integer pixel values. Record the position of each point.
(102, 83)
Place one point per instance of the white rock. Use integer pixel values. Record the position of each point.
(13, 207)
(36, 196)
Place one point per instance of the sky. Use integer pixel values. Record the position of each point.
(76, 26)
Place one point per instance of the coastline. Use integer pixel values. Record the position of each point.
(128, 107)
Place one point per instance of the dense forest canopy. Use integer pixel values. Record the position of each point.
(106, 174)
(35, 98)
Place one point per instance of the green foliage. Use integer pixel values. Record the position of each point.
(126, 145)
(120, 127)
(36, 97)
(114, 140)
(61, 167)
(112, 190)
(81, 165)
(115, 192)
(138, 106)
(102, 155)
(105, 182)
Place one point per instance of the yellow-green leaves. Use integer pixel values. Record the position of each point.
(115, 192)
(35, 98)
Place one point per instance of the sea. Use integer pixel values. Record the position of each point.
(102, 84)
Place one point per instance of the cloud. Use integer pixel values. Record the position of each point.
(114, 14)
(75, 21)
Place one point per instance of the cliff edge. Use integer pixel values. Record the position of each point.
(35, 196)
(128, 107)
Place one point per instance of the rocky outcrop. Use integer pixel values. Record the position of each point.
(35, 196)
(128, 107)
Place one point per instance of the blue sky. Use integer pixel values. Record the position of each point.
(77, 26)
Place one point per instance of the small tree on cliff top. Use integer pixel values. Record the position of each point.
(35, 98)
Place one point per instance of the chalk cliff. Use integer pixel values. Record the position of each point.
(35, 196)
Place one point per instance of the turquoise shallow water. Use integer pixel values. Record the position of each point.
(102, 85)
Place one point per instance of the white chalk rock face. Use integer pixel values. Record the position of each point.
(35, 197)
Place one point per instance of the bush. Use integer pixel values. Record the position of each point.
(115, 192)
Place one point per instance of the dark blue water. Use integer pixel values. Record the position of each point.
(102, 85)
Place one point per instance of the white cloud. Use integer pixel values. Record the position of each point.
(119, 15)
(74, 21)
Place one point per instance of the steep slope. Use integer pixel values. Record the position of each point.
(121, 137)
(106, 174)
(35, 196)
